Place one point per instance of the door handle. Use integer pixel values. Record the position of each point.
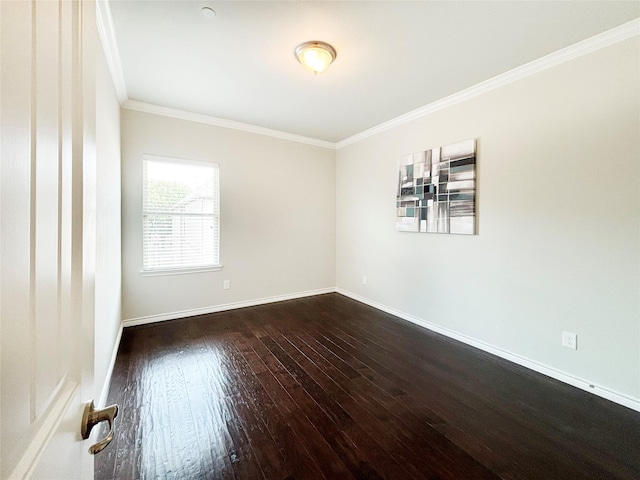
(92, 417)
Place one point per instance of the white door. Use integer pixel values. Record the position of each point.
(47, 236)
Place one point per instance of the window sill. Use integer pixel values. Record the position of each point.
(180, 271)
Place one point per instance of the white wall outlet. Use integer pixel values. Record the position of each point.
(226, 284)
(364, 280)
(570, 340)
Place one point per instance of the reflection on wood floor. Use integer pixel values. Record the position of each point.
(326, 387)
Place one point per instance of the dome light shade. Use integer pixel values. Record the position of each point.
(315, 56)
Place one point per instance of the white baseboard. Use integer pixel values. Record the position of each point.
(604, 392)
(221, 308)
(104, 393)
(599, 390)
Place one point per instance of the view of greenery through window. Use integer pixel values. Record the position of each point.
(180, 214)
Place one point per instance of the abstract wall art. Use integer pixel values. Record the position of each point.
(437, 190)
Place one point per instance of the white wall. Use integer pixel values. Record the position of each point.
(277, 216)
(108, 300)
(558, 220)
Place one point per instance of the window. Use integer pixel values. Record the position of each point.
(181, 224)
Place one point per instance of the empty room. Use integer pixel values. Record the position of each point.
(319, 240)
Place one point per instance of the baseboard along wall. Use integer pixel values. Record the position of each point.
(104, 392)
(595, 389)
(131, 322)
(604, 392)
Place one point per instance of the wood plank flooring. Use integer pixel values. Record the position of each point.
(328, 388)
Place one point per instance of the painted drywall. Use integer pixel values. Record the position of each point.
(108, 287)
(558, 243)
(277, 216)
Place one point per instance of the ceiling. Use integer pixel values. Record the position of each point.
(393, 57)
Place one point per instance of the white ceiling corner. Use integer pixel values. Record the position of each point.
(221, 122)
(396, 60)
(610, 37)
(107, 35)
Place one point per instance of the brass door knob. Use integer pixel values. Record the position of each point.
(91, 417)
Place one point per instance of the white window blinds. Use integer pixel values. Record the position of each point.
(181, 227)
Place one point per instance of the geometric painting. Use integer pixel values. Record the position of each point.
(437, 190)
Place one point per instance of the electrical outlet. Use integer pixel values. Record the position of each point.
(570, 340)
(226, 284)
(364, 280)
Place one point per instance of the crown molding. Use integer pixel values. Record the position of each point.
(107, 34)
(221, 122)
(602, 40)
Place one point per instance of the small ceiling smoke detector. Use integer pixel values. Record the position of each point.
(315, 56)
(208, 12)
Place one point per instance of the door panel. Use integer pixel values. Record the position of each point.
(44, 198)
(58, 460)
(15, 216)
(47, 235)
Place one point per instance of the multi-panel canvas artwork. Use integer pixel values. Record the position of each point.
(437, 190)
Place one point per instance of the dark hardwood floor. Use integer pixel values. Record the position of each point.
(326, 387)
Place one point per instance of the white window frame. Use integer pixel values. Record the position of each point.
(215, 216)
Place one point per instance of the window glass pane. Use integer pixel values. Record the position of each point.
(179, 187)
(179, 241)
(180, 214)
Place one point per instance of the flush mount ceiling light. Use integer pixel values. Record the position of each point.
(315, 56)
